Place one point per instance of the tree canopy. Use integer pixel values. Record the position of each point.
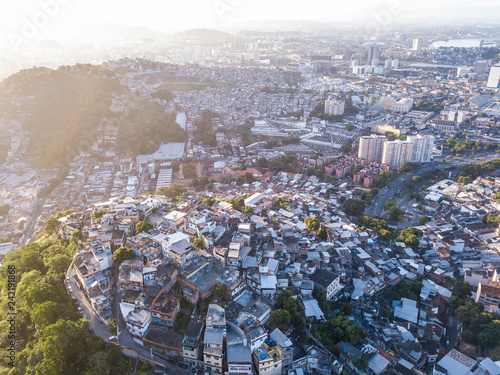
(122, 254)
(354, 207)
(172, 191)
(143, 226)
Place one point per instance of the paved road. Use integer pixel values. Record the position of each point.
(389, 191)
(96, 325)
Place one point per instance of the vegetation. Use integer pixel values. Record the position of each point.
(172, 191)
(145, 128)
(491, 220)
(199, 243)
(353, 207)
(209, 202)
(286, 306)
(281, 318)
(249, 210)
(286, 163)
(407, 167)
(410, 237)
(205, 129)
(384, 178)
(428, 106)
(65, 108)
(163, 94)
(475, 170)
(396, 213)
(122, 254)
(181, 321)
(98, 214)
(479, 327)
(423, 219)
(407, 289)
(312, 223)
(238, 203)
(143, 226)
(337, 329)
(457, 147)
(50, 336)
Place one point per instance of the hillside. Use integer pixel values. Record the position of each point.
(61, 109)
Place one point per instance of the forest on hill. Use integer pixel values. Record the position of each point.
(146, 127)
(61, 109)
(39, 321)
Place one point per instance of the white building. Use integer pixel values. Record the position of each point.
(397, 152)
(463, 71)
(138, 322)
(334, 107)
(371, 147)
(494, 77)
(404, 105)
(417, 44)
(422, 148)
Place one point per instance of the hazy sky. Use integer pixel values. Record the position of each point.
(59, 18)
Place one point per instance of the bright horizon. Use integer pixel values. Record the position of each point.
(61, 19)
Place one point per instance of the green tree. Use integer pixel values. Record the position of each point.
(172, 191)
(143, 226)
(312, 223)
(209, 202)
(361, 362)
(45, 313)
(423, 220)
(396, 213)
(249, 210)
(122, 254)
(282, 297)
(262, 163)
(77, 236)
(491, 220)
(407, 167)
(199, 243)
(322, 233)
(385, 234)
(464, 180)
(98, 214)
(384, 178)
(51, 225)
(354, 207)
(239, 204)
(281, 318)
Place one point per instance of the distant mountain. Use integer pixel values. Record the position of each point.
(203, 35)
(292, 25)
(48, 44)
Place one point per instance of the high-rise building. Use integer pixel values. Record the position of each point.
(334, 106)
(371, 147)
(372, 53)
(481, 67)
(422, 148)
(397, 152)
(395, 64)
(417, 44)
(494, 77)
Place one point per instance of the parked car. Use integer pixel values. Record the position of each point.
(70, 289)
(183, 365)
(113, 338)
